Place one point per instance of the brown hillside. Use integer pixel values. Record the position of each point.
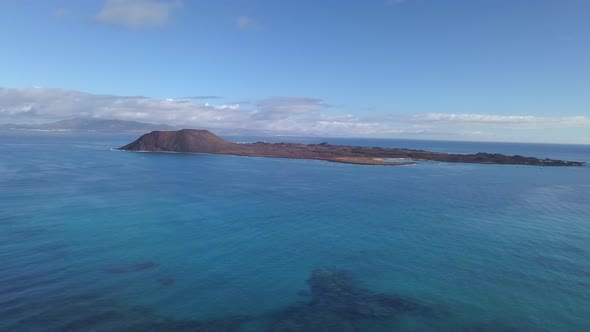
(185, 140)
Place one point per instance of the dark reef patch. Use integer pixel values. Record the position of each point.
(166, 281)
(147, 265)
(93, 313)
(338, 302)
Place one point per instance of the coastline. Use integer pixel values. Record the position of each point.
(341, 160)
(204, 141)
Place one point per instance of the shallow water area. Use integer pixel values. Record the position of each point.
(98, 239)
(403, 160)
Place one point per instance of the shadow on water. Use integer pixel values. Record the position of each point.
(336, 301)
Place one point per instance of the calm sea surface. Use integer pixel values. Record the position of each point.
(93, 239)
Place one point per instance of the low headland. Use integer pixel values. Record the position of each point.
(204, 141)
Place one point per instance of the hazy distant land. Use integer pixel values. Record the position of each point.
(89, 124)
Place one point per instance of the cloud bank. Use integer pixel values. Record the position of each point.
(283, 115)
(507, 121)
(138, 13)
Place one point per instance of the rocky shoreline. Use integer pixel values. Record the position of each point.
(203, 141)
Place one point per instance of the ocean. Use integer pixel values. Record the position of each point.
(95, 239)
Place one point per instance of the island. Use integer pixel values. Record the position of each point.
(204, 141)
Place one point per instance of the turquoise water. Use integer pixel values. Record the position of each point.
(93, 239)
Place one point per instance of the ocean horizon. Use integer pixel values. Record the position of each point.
(96, 239)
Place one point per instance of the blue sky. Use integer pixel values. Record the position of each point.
(456, 69)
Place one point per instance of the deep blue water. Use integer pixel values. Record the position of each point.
(93, 239)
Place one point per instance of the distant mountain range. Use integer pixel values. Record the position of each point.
(109, 125)
(89, 124)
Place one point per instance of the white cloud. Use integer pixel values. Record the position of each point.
(290, 115)
(286, 115)
(517, 121)
(245, 22)
(285, 107)
(138, 13)
(52, 104)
